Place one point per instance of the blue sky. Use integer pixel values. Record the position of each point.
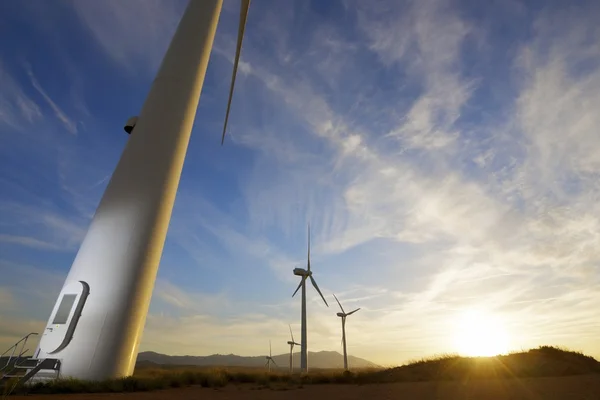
(445, 154)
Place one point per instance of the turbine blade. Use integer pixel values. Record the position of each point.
(291, 333)
(275, 363)
(336, 299)
(318, 290)
(245, 4)
(308, 257)
(299, 285)
(352, 312)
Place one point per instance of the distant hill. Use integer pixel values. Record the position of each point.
(319, 360)
(543, 361)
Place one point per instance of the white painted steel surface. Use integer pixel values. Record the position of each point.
(121, 251)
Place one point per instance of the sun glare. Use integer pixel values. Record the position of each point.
(480, 334)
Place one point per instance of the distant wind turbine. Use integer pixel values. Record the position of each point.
(270, 359)
(343, 316)
(292, 343)
(305, 273)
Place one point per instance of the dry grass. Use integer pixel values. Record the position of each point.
(147, 379)
(543, 361)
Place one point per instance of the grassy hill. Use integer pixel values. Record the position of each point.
(543, 361)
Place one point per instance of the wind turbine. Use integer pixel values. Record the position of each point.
(270, 359)
(343, 316)
(305, 273)
(98, 319)
(292, 343)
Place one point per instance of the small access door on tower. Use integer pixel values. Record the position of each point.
(64, 317)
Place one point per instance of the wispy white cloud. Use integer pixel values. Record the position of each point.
(40, 227)
(69, 124)
(556, 109)
(25, 307)
(135, 34)
(32, 284)
(229, 326)
(424, 40)
(193, 213)
(371, 332)
(16, 108)
(355, 157)
(28, 242)
(184, 301)
(244, 335)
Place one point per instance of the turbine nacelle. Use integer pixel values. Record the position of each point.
(341, 314)
(301, 272)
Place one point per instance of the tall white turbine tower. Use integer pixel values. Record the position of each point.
(97, 321)
(343, 316)
(305, 273)
(292, 343)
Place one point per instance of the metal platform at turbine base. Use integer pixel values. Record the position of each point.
(15, 369)
(32, 370)
(35, 369)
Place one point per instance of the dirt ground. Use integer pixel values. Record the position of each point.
(573, 387)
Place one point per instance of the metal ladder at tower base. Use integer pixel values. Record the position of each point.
(17, 370)
(14, 354)
(34, 370)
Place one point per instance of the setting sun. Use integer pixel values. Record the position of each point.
(480, 334)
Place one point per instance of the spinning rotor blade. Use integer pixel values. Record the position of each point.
(336, 299)
(245, 4)
(299, 286)
(308, 257)
(318, 290)
(352, 312)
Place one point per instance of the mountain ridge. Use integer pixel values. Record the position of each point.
(321, 359)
